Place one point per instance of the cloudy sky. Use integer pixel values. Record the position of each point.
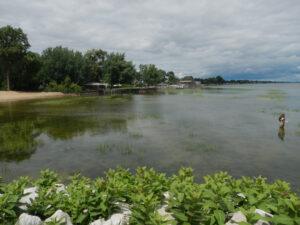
(238, 39)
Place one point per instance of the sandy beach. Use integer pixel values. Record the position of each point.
(6, 96)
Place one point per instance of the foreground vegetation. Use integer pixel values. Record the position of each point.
(211, 202)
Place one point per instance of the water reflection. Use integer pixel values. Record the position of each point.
(18, 140)
(281, 133)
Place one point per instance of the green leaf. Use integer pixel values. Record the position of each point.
(180, 216)
(81, 218)
(283, 220)
(220, 216)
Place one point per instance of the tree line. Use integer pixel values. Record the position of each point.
(63, 69)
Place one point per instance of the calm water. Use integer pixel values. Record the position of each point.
(228, 128)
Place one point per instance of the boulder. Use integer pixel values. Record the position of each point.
(98, 222)
(25, 219)
(31, 194)
(162, 212)
(58, 215)
(236, 218)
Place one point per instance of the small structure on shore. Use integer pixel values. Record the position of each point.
(96, 86)
(190, 83)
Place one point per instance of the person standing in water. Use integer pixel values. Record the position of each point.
(281, 120)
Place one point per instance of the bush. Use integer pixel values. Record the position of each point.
(66, 86)
(211, 202)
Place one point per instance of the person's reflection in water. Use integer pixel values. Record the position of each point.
(281, 133)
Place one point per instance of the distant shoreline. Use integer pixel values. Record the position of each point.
(8, 96)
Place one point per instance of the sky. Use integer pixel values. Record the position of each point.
(237, 39)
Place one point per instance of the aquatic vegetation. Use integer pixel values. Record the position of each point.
(273, 95)
(117, 98)
(63, 101)
(127, 150)
(192, 134)
(298, 133)
(276, 92)
(136, 135)
(103, 148)
(210, 202)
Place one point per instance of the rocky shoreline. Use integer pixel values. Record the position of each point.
(119, 218)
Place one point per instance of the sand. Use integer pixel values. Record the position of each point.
(6, 96)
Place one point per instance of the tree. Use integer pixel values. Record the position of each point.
(13, 48)
(188, 78)
(59, 62)
(26, 78)
(96, 58)
(150, 74)
(117, 70)
(172, 78)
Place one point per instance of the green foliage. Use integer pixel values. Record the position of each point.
(66, 86)
(9, 202)
(151, 75)
(96, 58)
(210, 202)
(58, 63)
(117, 70)
(13, 48)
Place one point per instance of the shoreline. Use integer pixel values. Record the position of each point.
(9, 96)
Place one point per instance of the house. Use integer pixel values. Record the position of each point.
(190, 83)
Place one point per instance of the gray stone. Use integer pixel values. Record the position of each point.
(236, 218)
(98, 222)
(61, 188)
(25, 219)
(241, 195)
(58, 215)
(262, 222)
(263, 213)
(162, 212)
(32, 194)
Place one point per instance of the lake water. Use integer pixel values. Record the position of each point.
(224, 128)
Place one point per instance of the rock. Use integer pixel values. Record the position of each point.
(61, 188)
(236, 218)
(25, 219)
(167, 195)
(115, 219)
(58, 215)
(98, 222)
(162, 212)
(241, 195)
(263, 213)
(124, 208)
(262, 222)
(32, 194)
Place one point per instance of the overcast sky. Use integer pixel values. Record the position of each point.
(237, 39)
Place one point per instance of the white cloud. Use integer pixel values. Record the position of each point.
(235, 38)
